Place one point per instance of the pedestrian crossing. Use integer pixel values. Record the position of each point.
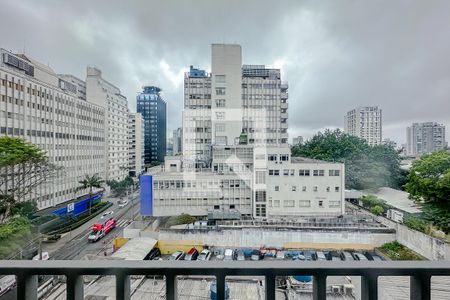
(123, 223)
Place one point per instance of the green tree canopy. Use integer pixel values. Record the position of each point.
(91, 182)
(120, 188)
(366, 166)
(23, 167)
(429, 178)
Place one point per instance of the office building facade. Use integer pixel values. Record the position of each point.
(235, 152)
(47, 109)
(365, 122)
(422, 138)
(153, 110)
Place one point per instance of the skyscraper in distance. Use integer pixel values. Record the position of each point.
(153, 110)
(365, 122)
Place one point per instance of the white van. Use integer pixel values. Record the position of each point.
(228, 254)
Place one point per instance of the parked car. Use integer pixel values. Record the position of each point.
(179, 255)
(308, 255)
(257, 255)
(280, 255)
(240, 255)
(204, 255)
(320, 255)
(377, 258)
(229, 254)
(359, 256)
(154, 254)
(346, 256)
(192, 254)
(123, 203)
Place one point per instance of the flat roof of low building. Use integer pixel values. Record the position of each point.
(396, 198)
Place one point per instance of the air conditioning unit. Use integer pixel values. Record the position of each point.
(348, 289)
(336, 289)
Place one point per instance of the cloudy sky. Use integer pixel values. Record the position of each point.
(335, 54)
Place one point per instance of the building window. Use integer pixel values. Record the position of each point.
(288, 203)
(260, 210)
(292, 172)
(303, 188)
(220, 127)
(328, 188)
(274, 172)
(286, 172)
(303, 172)
(335, 203)
(220, 115)
(284, 157)
(315, 189)
(220, 102)
(304, 203)
(336, 189)
(276, 203)
(334, 172)
(220, 91)
(272, 157)
(260, 196)
(319, 172)
(277, 188)
(294, 188)
(320, 203)
(260, 177)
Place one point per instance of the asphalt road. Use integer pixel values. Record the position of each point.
(77, 247)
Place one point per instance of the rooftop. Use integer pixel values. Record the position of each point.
(397, 199)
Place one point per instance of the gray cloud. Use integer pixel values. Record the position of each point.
(335, 54)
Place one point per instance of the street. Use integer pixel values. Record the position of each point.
(75, 245)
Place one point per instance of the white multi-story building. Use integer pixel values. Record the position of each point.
(424, 138)
(47, 110)
(235, 151)
(177, 140)
(135, 144)
(365, 122)
(105, 94)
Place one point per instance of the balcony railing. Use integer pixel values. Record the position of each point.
(420, 273)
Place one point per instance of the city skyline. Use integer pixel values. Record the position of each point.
(314, 44)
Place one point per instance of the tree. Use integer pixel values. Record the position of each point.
(91, 182)
(377, 210)
(23, 167)
(429, 178)
(366, 167)
(120, 188)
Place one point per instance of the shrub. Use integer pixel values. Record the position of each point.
(181, 219)
(397, 251)
(377, 210)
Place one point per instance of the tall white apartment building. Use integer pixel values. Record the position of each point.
(107, 95)
(365, 122)
(135, 144)
(424, 138)
(235, 152)
(47, 110)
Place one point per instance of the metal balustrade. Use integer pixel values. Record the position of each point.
(419, 272)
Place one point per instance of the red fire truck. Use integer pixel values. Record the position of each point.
(99, 230)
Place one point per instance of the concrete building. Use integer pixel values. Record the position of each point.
(365, 122)
(49, 111)
(153, 109)
(177, 140)
(424, 138)
(297, 140)
(235, 151)
(107, 95)
(234, 103)
(135, 144)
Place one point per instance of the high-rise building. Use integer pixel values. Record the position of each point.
(365, 122)
(177, 139)
(233, 103)
(236, 160)
(425, 137)
(297, 140)
(50, 111)
(135, 144)
(153, 109)
(107, 95)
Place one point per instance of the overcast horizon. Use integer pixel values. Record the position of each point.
(335, 55)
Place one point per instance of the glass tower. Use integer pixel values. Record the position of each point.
(153, 109)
